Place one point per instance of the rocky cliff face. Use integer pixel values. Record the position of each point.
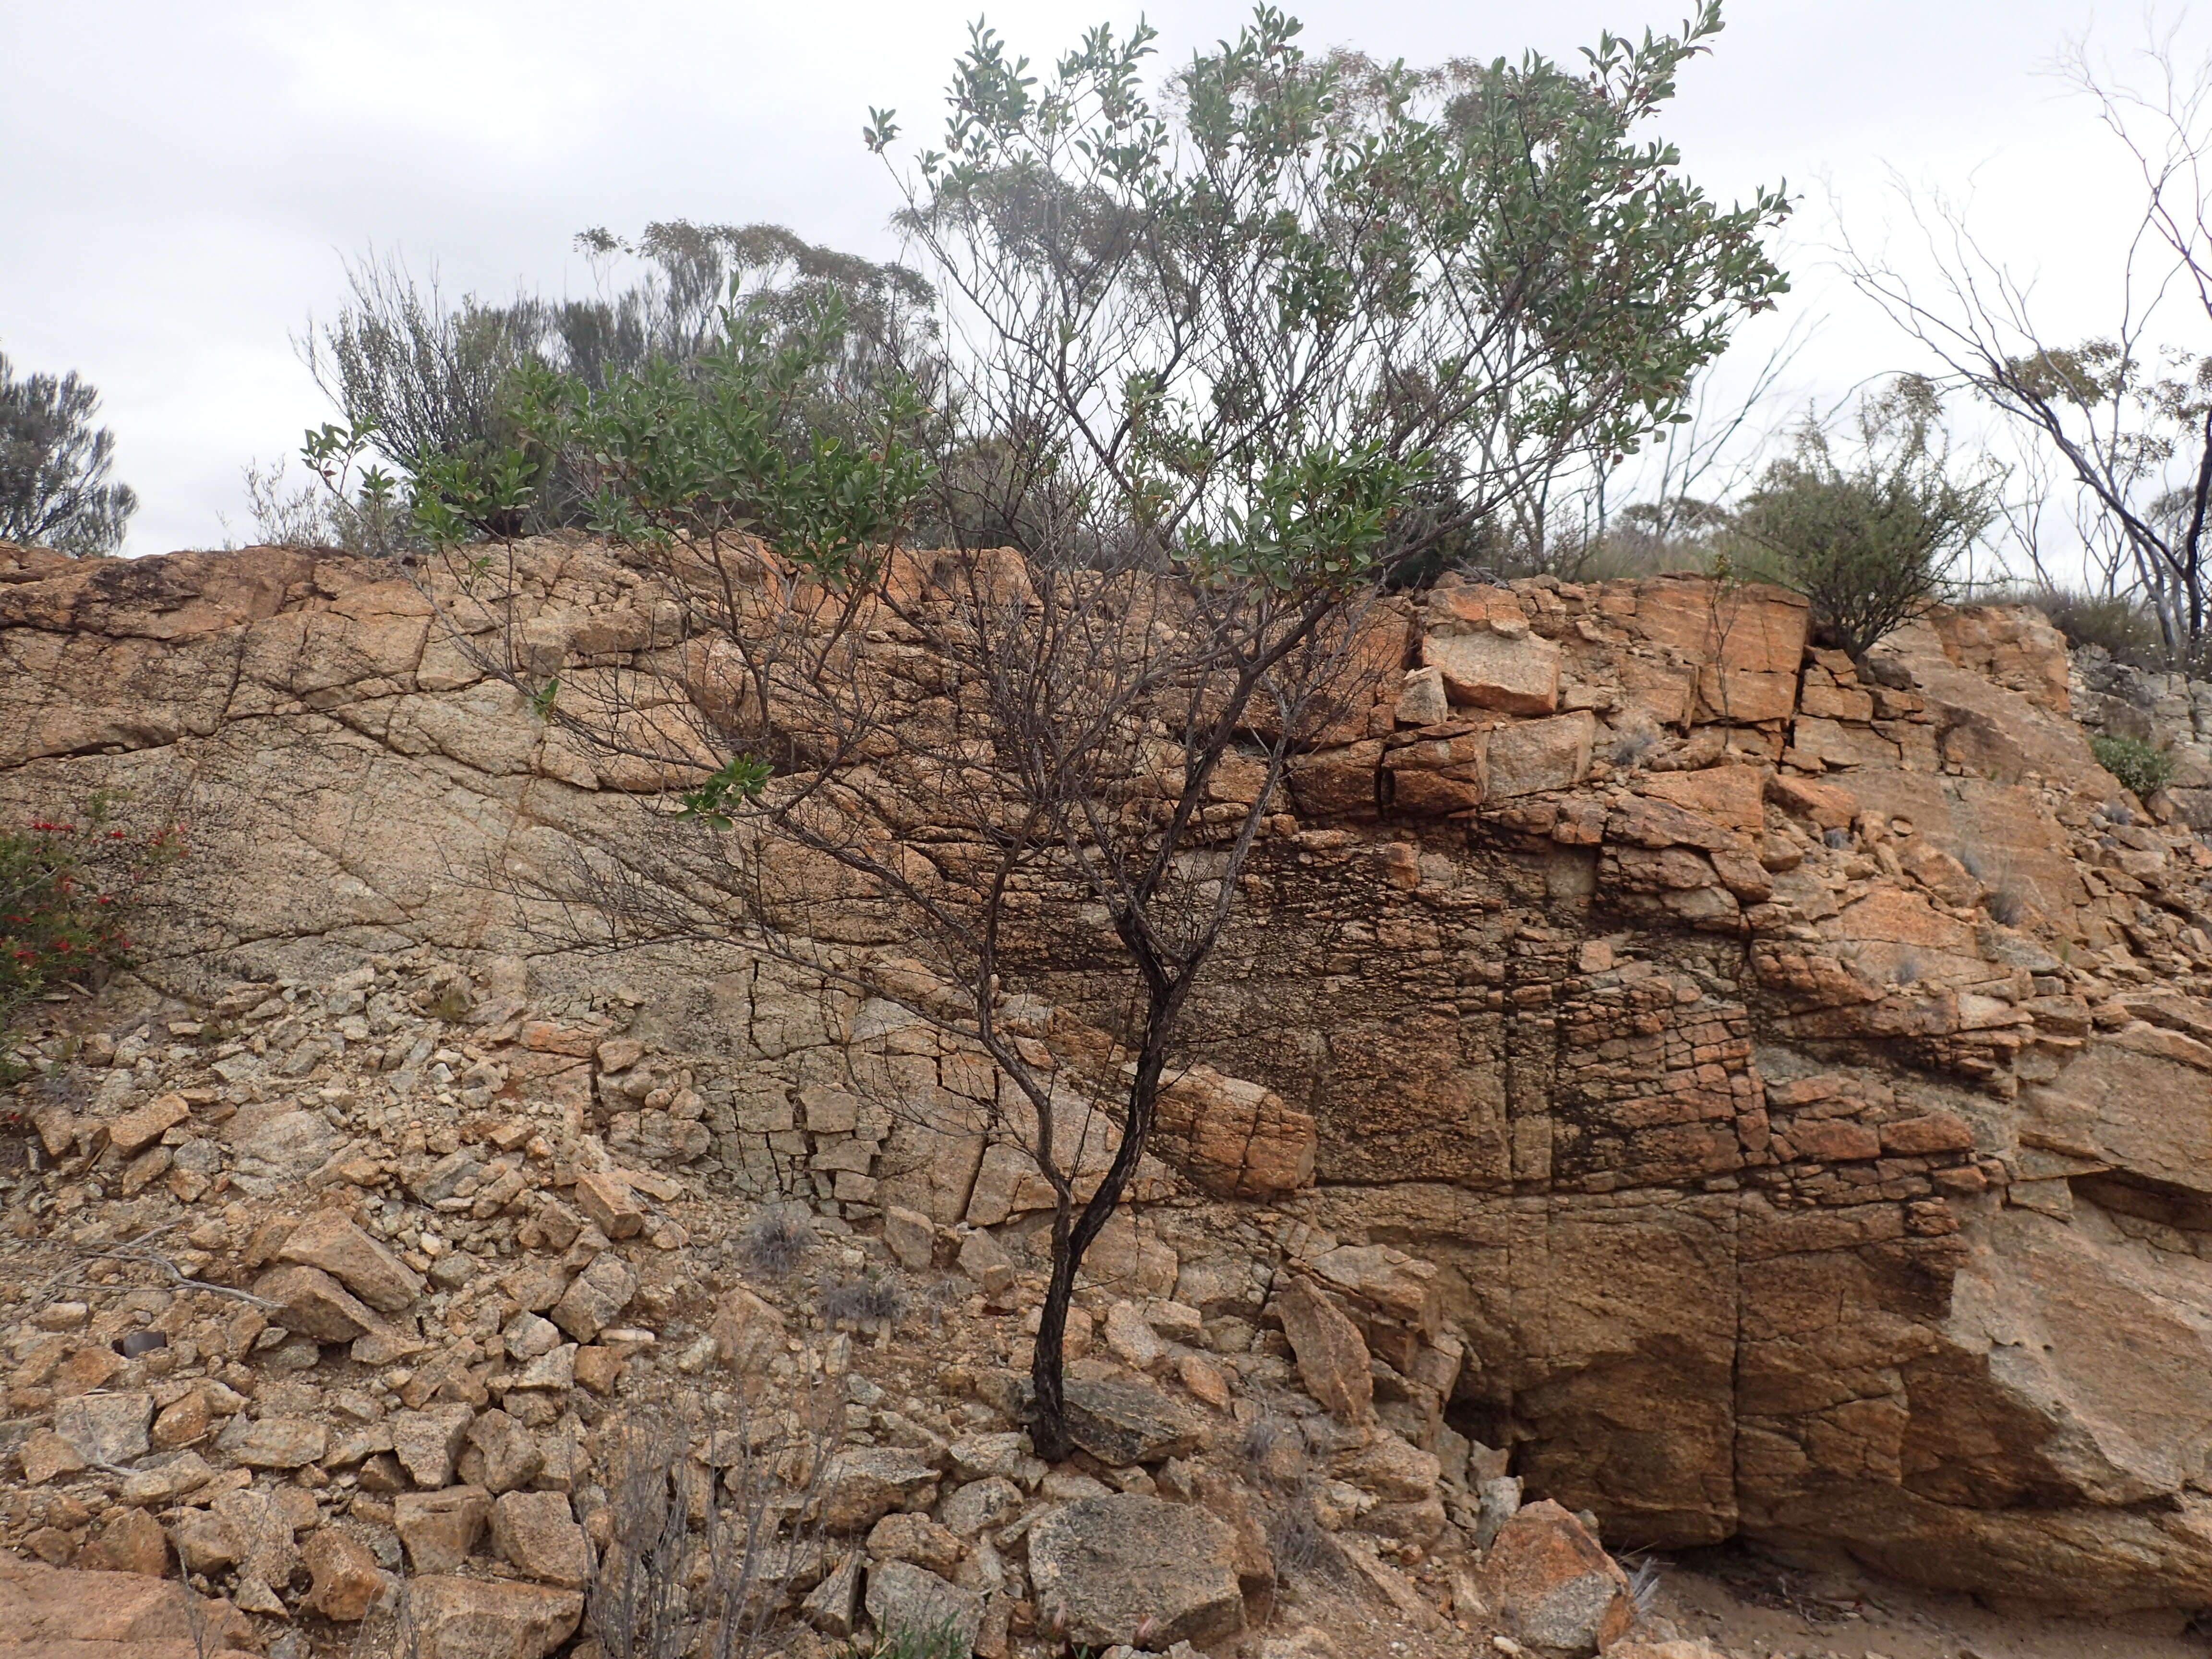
(1795, 1076)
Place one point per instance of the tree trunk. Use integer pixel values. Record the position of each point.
(1072, 1236)
(1047, 1398)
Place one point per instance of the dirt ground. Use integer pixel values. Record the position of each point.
(1752, 1608)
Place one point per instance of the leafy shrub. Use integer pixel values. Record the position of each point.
(2120, 622)
(67, 894)
(53, 467)
(2139, 767)
(1871, 544)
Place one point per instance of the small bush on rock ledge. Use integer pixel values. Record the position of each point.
(2139, 767)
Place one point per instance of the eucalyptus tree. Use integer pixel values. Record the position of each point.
(1209, 352)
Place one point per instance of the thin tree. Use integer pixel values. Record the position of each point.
(2129, 416)
(1206, 354)
(54, 467)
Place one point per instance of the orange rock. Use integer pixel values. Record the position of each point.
(1554, 1585)
(1733, 795)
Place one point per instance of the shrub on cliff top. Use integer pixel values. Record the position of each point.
(1871, 540)
(53, 467)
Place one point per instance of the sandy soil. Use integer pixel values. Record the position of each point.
(1751, 1607)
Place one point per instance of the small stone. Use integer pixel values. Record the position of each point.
(47, 1454)
(528, 1336)
(134, 1132)
(440, 1528)
(984, 1260)
(62, 1315)
(174, 1476)
(347, 1583)
(511, 1456)
(833, 1605)
(1204, 1379)
(479, 1619)
(747, 1332)
(205, 1542)
(1000, 1454)
(600, 1368)
(536, 1532)
(184, 1423)
(555, 1369)
(981, 1505)
(84, 1370)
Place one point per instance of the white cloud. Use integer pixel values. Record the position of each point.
(180, 183)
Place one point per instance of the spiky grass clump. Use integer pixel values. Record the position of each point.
(778, 1240)
(874, 1301)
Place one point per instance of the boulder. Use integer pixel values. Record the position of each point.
(1132, 1338)
(748, 1332)
(911, 1237)
(981, 1505)
(918, 1539)
(1554, 1585)
(503, 1455)
(132, 1542)
(104, 1428)
(608, 1200)
(1126, 1569)
(450, 1617)
(1514, 675)
(314, 1303)
(52, 1612)
(832, 1607)
(330, 1240)
(866, 1483)
(1533, 756)
(427, 1442)
(1332, 1355)
(1121, 1423)
(348, 1583)
(536, 1532)
(595, 1297)
(440, 1528)
(274, 1442)
(904, 1600)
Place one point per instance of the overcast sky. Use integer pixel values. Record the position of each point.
(180, 184)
